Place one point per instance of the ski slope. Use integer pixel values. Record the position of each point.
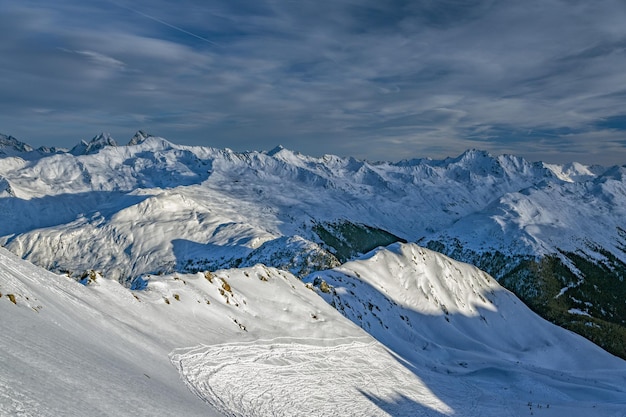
(291, 378)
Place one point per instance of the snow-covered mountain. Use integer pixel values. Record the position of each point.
(554, 234)
(448, 340)
(10, 146)
(222, 199)
(98, 142)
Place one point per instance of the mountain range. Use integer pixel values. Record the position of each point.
(139, 222)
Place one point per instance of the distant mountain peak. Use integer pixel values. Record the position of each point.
(475, 157)
(12, 145)
(98, 142)
(105, 138)
(276, 150)
(139, 137)
(475, 153)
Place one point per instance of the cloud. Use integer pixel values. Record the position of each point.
(377, 80)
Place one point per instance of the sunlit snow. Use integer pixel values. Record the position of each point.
(400, 331)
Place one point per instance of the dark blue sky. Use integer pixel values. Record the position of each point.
(381, 80)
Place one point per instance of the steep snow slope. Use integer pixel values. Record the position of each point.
(575, 172)
(454, 320)
(66, 351)
(74, 350)
(258, 342)
(428, 302)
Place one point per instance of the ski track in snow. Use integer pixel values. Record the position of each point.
(15, 403)
(296, 379)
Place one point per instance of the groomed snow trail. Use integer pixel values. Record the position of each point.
(297, 379)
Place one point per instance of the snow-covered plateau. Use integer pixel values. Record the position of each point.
(160, 279)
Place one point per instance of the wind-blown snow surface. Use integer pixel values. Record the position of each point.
(259, 342)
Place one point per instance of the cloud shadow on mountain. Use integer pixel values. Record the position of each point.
(194, 256)
(22, 216)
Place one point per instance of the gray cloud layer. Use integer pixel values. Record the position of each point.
(377, 80)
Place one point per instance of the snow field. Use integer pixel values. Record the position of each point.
(257, 341)
(102, 350)
(296, 379)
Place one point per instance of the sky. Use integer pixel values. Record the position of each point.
(377, 80)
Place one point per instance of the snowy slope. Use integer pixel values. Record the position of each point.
(64, 351)
(537, 220)
(258, 342)
(75, 350)
(457, 324)
(425, 301)
(156, 207)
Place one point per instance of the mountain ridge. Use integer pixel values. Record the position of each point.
(447, 340)
(158, 207)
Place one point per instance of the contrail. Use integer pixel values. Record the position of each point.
(147, 16)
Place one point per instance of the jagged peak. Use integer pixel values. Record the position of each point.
(98, 142)
(139, 137)
(470, 163)
(474, 155)
(11, 143)
(275, 150)
(50, 149)
(104, 137)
